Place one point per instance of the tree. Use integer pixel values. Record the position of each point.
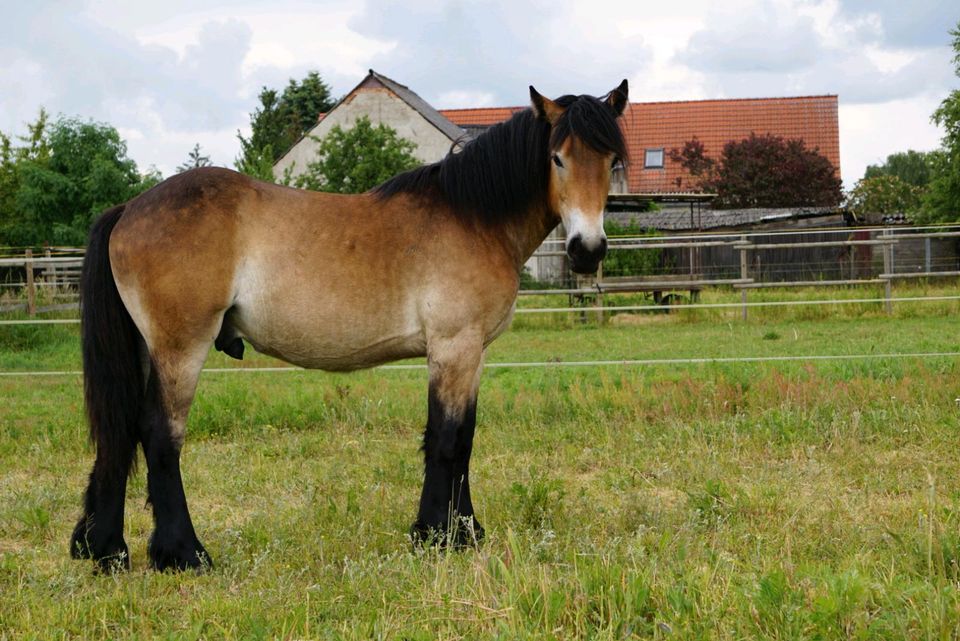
(61, 178)
(884, 194)
(942, 200)
(630, 262)
(912, 167)
(280, 121)
(693, 157)
(354, 160)
(194, 159)
(761, 171)
(770, 171)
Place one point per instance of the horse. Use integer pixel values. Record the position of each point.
(426, 264)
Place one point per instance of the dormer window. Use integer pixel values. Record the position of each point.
(653, 158)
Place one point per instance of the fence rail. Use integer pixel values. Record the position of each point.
(50, 271)
(781, 259)
(689, 263)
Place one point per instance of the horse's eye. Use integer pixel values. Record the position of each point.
(557, 161)
(615, 163)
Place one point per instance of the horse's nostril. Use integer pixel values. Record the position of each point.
(574, 245)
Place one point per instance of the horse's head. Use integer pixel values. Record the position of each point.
(586, 143)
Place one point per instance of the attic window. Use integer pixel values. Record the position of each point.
(653, 158)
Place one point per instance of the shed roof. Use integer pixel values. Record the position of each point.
(707, 219)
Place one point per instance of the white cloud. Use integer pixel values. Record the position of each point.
(871, 132)
(465, 100)
(173, 74)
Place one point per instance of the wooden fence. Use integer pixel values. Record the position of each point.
(50, 276)
(689, 264)
(832, 257)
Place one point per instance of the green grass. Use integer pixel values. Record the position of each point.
(719, 501)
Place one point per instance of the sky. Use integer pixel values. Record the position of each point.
(172, 74)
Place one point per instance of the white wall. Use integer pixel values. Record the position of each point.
(380, 106)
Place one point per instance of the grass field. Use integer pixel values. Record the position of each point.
(715, 501)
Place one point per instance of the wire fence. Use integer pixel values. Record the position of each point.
(554, 364)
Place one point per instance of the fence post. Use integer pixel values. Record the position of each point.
(31, 287)
(743, 275)
(599, 300)
(888, 270)
(50, 273)
(926, 254)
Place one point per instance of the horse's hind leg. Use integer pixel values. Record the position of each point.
(170, 390)
(446, 513)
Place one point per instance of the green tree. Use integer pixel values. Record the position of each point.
(195, 159)
(630, 262)
(34, 149)
(351, 161)
(884, 194)
(63, 176)
(279, 121)
(912, 167)
(942, 200)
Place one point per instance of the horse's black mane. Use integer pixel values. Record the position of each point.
(504, 171)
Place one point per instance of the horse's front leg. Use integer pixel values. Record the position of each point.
(446, 510)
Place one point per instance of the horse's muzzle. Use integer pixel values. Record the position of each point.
(583, 259)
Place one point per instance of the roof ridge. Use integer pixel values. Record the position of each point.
(477, 108)
(754, 99)
(671, 102)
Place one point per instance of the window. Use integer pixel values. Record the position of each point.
(653, 159)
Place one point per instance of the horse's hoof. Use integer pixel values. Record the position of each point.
(110, 555)
(466, 532)
(177, 554)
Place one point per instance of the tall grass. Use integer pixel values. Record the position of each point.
(717, 501)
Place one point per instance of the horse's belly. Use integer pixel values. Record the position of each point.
(328, 341)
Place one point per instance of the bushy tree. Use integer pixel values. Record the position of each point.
(630, 262)
(912, 167)
(942, 200)
(693, 157)
(884, 194)
(194, 160)
(61, 178)
(354, 160)
(279, 121)
(762, 171)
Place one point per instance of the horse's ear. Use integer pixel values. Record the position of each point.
(544, 108)
(617, 99)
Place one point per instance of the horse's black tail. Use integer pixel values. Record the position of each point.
(113, 382)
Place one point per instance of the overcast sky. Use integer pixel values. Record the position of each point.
(174, 73)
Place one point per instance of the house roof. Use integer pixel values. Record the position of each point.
(667, 125)
(374, 81)
(481, 117)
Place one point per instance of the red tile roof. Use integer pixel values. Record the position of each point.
(667, 125)
(484, 116)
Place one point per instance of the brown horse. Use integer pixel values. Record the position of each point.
(426, 264)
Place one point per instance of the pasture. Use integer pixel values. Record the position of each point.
(781, 500)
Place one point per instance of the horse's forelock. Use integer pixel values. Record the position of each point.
(591, 120)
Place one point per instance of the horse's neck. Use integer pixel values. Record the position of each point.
(523, 235)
